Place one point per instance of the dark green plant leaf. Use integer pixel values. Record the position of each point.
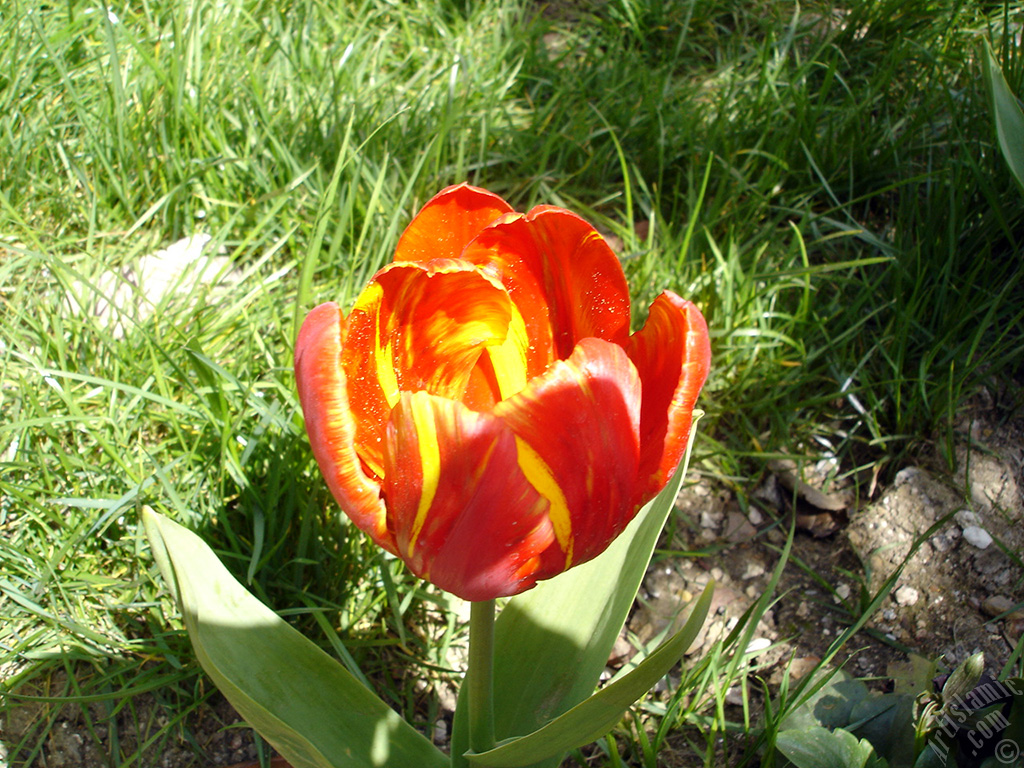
(1015, 730)
(887, 721)
(302, 701)
(932, 756)
(600, 713)
(1007, 114)
(818, 747)
(830, 706)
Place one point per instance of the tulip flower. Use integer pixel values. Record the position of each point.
(483, 412)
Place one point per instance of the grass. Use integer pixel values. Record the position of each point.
(823, 181)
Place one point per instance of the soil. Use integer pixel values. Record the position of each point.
(960, 591)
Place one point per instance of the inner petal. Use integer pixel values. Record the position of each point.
(417, 327)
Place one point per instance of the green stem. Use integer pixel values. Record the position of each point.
(480, 676)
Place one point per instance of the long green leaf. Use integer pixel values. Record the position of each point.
(302, 701)
(1008, 116)
(601, 712)
(552, 643)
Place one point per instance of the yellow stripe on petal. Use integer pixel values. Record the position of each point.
(383, 354)
(541, 478)
(430, 461)
(509, 358)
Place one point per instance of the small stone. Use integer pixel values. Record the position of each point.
(754, 516)
(717, 574)
(440, 732)
(734, 696)
(753, 570)
(757, 645)
(843, 591)
(996, 605)
(738, 528)
(906, 475)
(1015, 628)
(803, 610)
(977, 536)
(907, 595)
(943, 542)
(888, 614)
(621, 652)
(710, 519)
(802, 666)
(966, 517)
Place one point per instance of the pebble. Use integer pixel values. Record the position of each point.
(977, 536)
(711, 519)
(758, 644)
(996, 605)
(966, 517)
(738, 528)
(801, 666)
(943, 542)
(907, 595)
(843, 591)
(753, 570)
(906, 475)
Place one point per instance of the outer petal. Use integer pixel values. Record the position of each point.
(577, 427)
(562, 275)
(419, 327)
(323, 393)
(464, 515)
(448, 221)
(672, 353)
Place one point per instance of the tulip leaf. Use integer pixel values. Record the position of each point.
(1009, 118)
(819, 747)
(314, 712)
(601, 712)
(552, 643)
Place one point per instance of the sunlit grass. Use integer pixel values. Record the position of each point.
(822, 181)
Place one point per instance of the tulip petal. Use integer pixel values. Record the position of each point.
(672, 353)
(447, 222)
(420, 327)
(464, 515)
(561, 274)
(578, 425)
(330, 424)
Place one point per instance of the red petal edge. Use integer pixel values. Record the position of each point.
(330, 425)
(672, 353)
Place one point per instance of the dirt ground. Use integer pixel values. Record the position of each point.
(950, 600)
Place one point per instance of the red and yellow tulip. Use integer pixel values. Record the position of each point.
(483, 412)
